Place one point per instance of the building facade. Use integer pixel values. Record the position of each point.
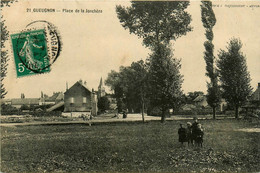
(79, 98)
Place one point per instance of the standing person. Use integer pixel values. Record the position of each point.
(200, 134)
(182, 134)
(195, 122)
(194, 129)
(189, 133)
(90, 117)
(124, 114)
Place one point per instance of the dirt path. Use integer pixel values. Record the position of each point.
(105, 119)
(130, 118)
(257, 130)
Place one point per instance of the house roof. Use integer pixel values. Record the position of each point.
(60, 96)
(55, 96)
(81, 84)
(56, 106)
(199, 98)
(188, 107)
(5, 100)
(25, 101)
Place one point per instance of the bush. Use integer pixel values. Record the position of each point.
(9, 110)
(156, 111)
(195, 112)
(43, 113)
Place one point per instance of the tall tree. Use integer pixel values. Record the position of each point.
(209, 20)
(115, 83)
(103, 103)
(234, 76)
(4, 57)
(157, 23)
(129, 85)
(4, 53)
(165, 80)
(139, 85)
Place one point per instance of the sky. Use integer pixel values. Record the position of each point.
(95, 44)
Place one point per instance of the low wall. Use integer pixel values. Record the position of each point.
(75, 114)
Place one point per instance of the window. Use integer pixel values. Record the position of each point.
(84, 99)
(72, 100)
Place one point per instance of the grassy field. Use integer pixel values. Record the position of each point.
(129, 147)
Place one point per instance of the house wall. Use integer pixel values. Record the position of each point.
(94, 104)
(73, 99)
(203, 103)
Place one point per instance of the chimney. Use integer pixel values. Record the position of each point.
(80, 81)
(258, 84)
(66, 86)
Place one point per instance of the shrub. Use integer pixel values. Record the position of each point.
(9, 110)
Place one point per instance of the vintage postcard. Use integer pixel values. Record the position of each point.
(130, 86)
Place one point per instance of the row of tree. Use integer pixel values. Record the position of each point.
(157, 81)
(230, 68)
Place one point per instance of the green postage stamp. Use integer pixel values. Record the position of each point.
(35, 50)
(30, 52)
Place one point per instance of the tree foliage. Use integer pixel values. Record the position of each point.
(129, 86)
(165, 80)
(209, 20)
(4, 53)
(7, 3)
(103, 104)
(156, 22)
(234, 76)
(4, 56)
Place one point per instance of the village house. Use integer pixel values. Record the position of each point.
(79, 98)
(54, 99)
(19, 102)
(256, 95)
(201, 101)
(252, 106)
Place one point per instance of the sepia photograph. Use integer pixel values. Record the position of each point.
(130, 86)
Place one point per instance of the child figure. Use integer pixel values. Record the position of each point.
(182, 134)
(200, 134)
(189, 133)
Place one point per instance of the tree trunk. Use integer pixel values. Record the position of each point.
(163, 116)
(236, 114)
(143, 111)
(214, 112)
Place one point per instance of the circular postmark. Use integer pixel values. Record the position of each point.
(37, 47)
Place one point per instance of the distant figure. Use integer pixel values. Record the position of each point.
(189, 133)
(182, 134)
(90, 117)
(195, 122)
(194, 128)
(116, 116)
(199, 136)
(85, 117)
(124, 114)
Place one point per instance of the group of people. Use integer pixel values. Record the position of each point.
(192, 134)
